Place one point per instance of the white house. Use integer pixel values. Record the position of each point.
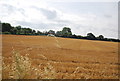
(51, 35)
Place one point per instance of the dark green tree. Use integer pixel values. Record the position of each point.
(6, 27)
(59, 33)
(100, 37)
(33, 32)
(13, 30)
(18, 30)
(45, 33)
(66, 32)
(18, 27)
(39, 33)
(0, 27)
(91, 36)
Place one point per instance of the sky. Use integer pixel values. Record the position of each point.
(99, 17)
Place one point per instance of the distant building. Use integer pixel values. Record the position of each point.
(51, 35)
(51, 32)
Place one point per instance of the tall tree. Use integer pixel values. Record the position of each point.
(100, 37)
(18, 30)
(13, 30)
(33, 32)
(6, 27)
(59, 33)
(0, 27)
(91, 36)
(66, 32)
(18, 27)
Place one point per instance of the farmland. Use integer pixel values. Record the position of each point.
(42, 57)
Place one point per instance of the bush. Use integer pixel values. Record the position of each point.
(6, 33)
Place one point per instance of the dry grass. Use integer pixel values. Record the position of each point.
(21, 68)
(0, 66)
(38, 57)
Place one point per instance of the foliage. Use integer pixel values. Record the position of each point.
(91, 36)
(66, 33)
(6, 32)
(100, 37)
(59, 33)
(39, 33)
(6, 27)
(51, 32)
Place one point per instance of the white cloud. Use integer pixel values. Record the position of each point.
(43, 15)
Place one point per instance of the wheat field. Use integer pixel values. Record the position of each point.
(42, 57)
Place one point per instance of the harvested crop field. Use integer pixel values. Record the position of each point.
(42, 57)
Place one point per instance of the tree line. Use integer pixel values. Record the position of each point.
(66, 33)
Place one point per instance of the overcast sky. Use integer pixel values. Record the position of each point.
(82, 16)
